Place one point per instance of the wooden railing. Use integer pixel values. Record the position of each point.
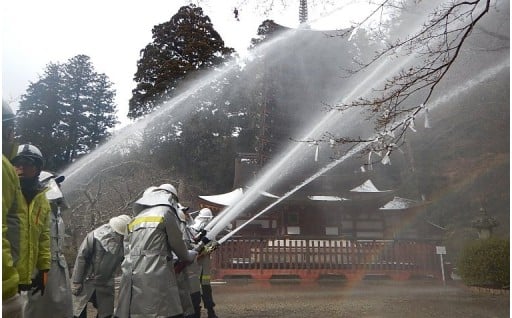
(310, 258)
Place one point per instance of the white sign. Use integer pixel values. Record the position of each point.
(440, 250)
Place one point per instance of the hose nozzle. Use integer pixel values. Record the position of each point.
(200, 237)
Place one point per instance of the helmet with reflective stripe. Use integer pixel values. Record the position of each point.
(31, 152)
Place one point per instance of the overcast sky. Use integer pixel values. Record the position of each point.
(112, 32)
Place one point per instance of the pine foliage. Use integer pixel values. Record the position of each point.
(181, 46)
(68, 112)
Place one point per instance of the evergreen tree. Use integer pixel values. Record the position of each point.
(185, 44)
(40, 111)
(67, 112)
(197, 138)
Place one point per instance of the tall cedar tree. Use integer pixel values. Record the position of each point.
(181, 49)
(67, 112)
(185, 44)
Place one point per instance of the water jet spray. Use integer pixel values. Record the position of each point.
(485, 75)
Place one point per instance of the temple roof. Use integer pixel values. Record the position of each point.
(399, 204)
(367, 186)
(225, 199)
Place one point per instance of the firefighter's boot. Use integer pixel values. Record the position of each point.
(208, 300)
(211, 313)
(196, 302)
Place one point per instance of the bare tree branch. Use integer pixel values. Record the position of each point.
(438, 43)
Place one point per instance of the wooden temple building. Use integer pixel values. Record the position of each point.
(347, 224)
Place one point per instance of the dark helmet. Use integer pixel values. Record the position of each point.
(31, 152)
(7, 113)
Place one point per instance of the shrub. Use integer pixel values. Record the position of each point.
(485, 263)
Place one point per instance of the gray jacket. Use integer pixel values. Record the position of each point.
(99, 256)
(56, 301)
(148, 284)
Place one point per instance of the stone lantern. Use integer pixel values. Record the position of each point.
(484, 224)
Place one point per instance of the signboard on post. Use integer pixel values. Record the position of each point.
(441, 250)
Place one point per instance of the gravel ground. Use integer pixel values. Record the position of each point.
(415, 299)
(364, 299)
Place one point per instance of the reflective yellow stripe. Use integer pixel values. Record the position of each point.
(145, 219)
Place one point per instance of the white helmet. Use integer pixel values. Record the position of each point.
(202, 219)
(154, 198)
(120, 223)
(165, 194)
(205, 213)
(51, 182)
(168, 188)
(30, 152)
(45, 176)
(148, 190)
(181, 212)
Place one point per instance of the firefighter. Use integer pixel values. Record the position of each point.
(190, 289)
(34, 243)
(12, 304)
(201, 220)
(56, 301)
(98, 258)
(148, 284)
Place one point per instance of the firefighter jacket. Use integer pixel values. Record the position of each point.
(31, 238)
(185, 285)
(56, 301)
(11, 201)
(193, 270)
(148, 284)
(200, 273)
(99, 255)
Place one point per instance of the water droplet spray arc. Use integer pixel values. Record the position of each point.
(80, 170)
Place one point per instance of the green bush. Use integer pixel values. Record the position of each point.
(485, 263)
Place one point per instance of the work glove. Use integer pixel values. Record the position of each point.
(39, 282)
(199, 236)
(76, 288)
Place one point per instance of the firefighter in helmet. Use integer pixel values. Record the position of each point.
(201, 220)
(12, 213)
(34, 244)
(97, 260)
(148, 285)
(57, 300)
